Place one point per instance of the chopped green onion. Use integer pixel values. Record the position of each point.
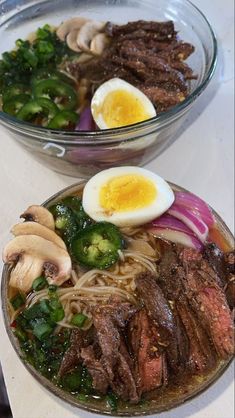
(72, 381)
(82, 398)
(111, 400)
(79, 319)
(42, 330)
(45, 306)
(52, 288)
(17, 301)
(39, 283)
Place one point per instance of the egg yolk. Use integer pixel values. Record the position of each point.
(121, 108)
(126, 193)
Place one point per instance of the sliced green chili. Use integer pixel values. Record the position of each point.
(13, 105)
(66, 119)
(40, 107)
(56, 89)
(97, 245)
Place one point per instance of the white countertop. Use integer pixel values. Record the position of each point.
(201, 160)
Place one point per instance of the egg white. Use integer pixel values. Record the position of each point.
(110, 86)
(164, 199)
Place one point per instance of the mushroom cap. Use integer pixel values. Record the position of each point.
(31, 256)
(66, 27)
(34, 228)
(72, 40)
(39, 214)
(87, 33)
(98, 43)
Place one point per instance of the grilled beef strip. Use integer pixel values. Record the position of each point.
(201, 353)
(165, 29)
(160, 312)
(209, 304)
(72, 357)
(150, 361)
(99, 377)
(109, 321)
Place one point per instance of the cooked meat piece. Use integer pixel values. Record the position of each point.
(209, 303)
(72, 356)
(108, 321)
(159, 310)
(201, 353)
(215, 258)
(161, 98)
(177, 51)
(99, 377)
(124, 384)
(229, 259)
(230, 291)
(162, 28)
(151, 369)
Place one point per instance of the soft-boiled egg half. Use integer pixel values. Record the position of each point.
(117, 103)
(126, 196)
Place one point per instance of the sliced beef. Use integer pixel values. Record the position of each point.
(150, 361)
(165, 29)
(99, 376)
(159, 310)
(230, 291)
(201, 353)
(209, 303)
(161, 98)
(72, 356)
(109, 321)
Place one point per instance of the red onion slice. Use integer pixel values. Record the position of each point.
(86, 121)
(178, 237)
(191, 220)
(172, 229)
(196, 205)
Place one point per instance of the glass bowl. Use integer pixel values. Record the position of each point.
(85, 153)
(171, 396)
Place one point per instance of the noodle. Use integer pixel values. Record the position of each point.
(92, 287)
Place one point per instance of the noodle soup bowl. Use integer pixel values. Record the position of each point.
(82, 154)
(155, 401)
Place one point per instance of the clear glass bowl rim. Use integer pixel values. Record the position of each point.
(68, 398)
(103, 136)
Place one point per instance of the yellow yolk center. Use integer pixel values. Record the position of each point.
(126, 193)
(121, 108)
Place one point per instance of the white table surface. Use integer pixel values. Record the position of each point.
(201, 160)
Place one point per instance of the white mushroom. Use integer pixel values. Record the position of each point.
(32, 256)
(98, 43)
(72, 40)
(39, 214)
(34, 228)
(87, 33)
(66, 27)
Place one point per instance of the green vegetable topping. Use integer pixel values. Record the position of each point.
(72, 381)
(38, 108)
(39, 283)
(15, 103)
(17, 301)
(42, 330)
(78, 320)
(111, 400)
(15, 90)
(51, 89)
(66, 119)
(97, 245)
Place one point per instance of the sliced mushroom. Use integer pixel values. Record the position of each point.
(87, 33)
(33, 256)
(39, 214)
(34, 228)
(66, 27)
(72, 40)
(99, 43)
